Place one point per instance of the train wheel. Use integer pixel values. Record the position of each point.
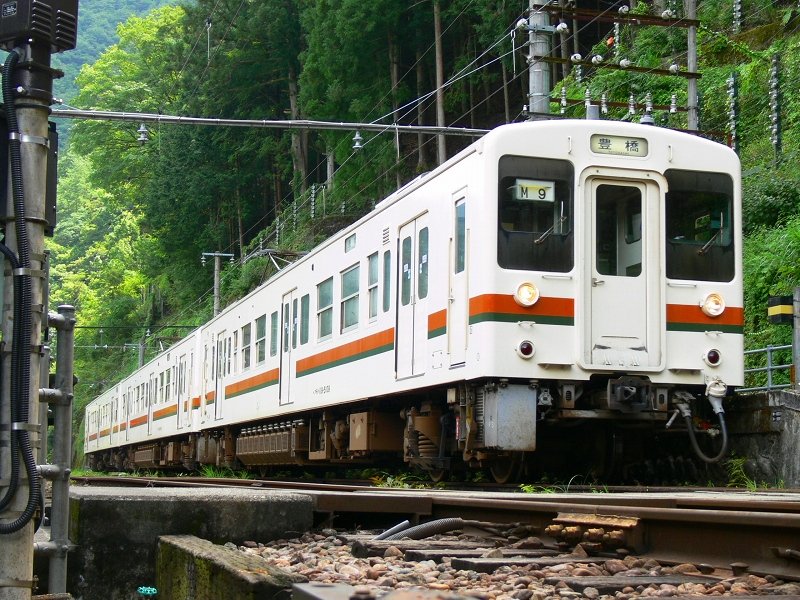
(438, 475)
(506, 468)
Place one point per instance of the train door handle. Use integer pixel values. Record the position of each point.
(452, 299)
(596, 282)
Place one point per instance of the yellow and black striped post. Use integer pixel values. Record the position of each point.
(780, 309)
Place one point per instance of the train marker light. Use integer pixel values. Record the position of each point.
(713, 304)
(525, 349)
(712, 358)
(526, 294)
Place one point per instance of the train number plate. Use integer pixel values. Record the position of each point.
(531, 189)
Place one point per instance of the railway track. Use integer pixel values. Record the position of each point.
(720, 528)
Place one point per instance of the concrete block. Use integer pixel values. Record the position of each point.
(116, 530)
(188, 567)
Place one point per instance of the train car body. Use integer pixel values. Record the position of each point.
(551, 275)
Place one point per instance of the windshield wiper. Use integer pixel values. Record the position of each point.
(705, 248)
(547, 233)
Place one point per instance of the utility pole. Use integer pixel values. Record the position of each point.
(437, 26)
(217, 268)
(538, 45)
(691, 65)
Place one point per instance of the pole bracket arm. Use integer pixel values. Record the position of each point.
(55, 396)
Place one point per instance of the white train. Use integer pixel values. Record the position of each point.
(559, 287)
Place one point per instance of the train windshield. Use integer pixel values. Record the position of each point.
(535, 214)
(699, 226)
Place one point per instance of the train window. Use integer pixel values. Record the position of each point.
(160, 397)
(228, 358)
(167, 385)
(273, 333)
(461, 236)
(699, 226)
(286, 318)
(350, 298)
(261, 339)
(350, 243)
(325, 309)
(535, 206)
(305, 303)
(235, 350)
(294, 323)
(405, 286)
(246, 347)
(422, 269)
(387, 280)
(372, 286)
(619, 251)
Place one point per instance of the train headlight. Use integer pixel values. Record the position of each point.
(713, 304)
(527, 294)
(712, 358)
(526, 349)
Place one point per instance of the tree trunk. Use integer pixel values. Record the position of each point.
(437, 26)
(299, 138)
(422, 160)
(506, 103)
(394, 69)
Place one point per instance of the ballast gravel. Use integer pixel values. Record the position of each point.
(324, 558)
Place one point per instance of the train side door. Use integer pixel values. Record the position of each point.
(222, 361)
(458, 300)
(288, 342)
(624, 275)
(412, 309)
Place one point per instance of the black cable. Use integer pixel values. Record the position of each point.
(14, 477)
(703, 457)
(20, 378)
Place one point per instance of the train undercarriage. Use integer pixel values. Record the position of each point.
(607, 429)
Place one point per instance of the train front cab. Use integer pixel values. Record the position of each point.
(621, 248)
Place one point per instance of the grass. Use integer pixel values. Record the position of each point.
(738, 478)
(214, 472)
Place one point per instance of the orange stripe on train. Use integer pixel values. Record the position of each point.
(692, 313)
(505, 303)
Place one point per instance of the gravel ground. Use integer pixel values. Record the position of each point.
(325, 558)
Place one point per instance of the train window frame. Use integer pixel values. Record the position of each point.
(387, 280)
(350, 297)
(406, 252)
(305, 305)
(167, 384)
(712, 259)
(273, 333)
(246, 347)
(551, 250)
(325, 310)
(423, 262)
(372, 286)
(261, 339)
(295, 318)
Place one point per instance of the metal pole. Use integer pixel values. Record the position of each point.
(691, 64)
(769, 366)
(141, 352)
(796, 339)
(61, 465)
(538, 45)
(16, 558)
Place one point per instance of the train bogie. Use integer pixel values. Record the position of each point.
(549, 275)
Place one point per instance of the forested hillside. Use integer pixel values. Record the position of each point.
(134, 219)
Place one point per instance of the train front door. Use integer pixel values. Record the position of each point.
(623, 275)
(412, 308)
(289, 319)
